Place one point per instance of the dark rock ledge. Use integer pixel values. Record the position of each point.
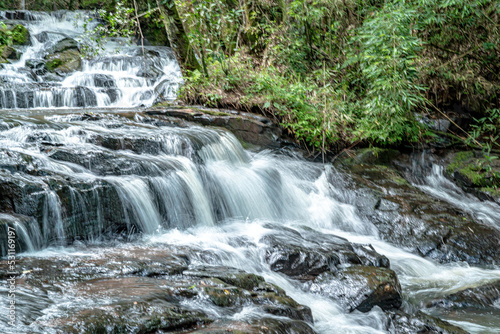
(250, 128)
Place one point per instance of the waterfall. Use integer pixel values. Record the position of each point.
(121, 76)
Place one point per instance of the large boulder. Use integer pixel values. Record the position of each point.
(8, 53)
(306, 256)
(64, 44)
(249, 128)
(64, 62)
(20, 35)
(360, 288)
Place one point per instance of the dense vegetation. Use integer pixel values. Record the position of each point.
(340, 72)
(348, 70)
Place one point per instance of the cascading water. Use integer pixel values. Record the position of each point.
(191, 187)
(122, 76)
(76, 185)
(432, 180)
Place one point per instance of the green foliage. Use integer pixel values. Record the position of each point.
(17, 35)
(385, 50)
(305, 109)
(348, 70)
(5, 35)
(20, 35)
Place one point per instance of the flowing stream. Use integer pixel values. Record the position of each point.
(116, 178)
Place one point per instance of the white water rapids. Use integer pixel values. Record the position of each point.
(203, 190)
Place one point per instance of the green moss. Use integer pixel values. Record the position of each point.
(67, 61)
(163, 104)
(20, 35)
(400, 181)
(472, 171)
(473, 174)
(225, 296)
(53, 64)
(493, 192)
(459, 158)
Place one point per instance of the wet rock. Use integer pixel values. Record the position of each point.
(306, 257)
(84, 97)
(402, 323)
(63, 63)
(406, 216)
(9, 53)
(257, 326)
(65, 209)
(151, 72)
(143, 289)
(105, 81)
(106, 263)
(475, 174)
(102, 163)
(482, 297)
(25, 99)
(139, 145)
(232, 276)
(244, 127)
(20, 35)
(51, 77)
(19, 195)
(229, 287)
(44, 36)
(114, 94)
(26, 231)
(360, 288)
(37, 66)
(64, 44)
(29, 73)
(131, 317)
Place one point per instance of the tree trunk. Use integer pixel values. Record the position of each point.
(177, 37)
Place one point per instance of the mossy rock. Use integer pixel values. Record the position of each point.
(20, 35)
(360, 288)
(372, 156)
(472, 170)
(7, 52)
(64, 62)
